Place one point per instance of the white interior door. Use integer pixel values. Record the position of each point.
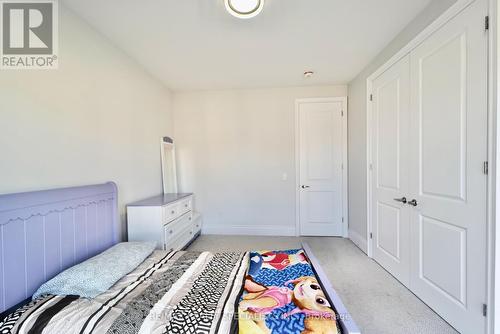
(390, 215)
(321, 153)
(449, 146)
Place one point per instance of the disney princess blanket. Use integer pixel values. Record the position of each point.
(282, 295)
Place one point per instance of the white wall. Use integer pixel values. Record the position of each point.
(97, 118)
(357, 120)
(233, 148)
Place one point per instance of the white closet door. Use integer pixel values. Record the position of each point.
(449, 146)
(390, 217)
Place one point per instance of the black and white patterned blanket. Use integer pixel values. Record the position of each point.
(181, 292)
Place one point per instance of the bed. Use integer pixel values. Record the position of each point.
(42, 234)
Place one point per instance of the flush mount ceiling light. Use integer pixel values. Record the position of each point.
(244, 9)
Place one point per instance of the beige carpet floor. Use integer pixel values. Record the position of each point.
(377, 301)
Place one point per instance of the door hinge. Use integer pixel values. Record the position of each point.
(486, 23)
(371, 166)
(485, 310)
(371, 97)
(342, 113)
(485, 168)
(342, 219)
(371, 235)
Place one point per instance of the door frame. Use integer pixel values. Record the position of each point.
(345, 180)
(493, 185)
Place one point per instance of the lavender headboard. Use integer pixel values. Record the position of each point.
(44, 232)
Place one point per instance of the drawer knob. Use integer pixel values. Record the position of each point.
(173, 212)
(170, 231)
(190, 218)
(186, 205)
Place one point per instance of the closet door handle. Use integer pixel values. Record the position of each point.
(413, 202)
(304, 187)
(402, 200)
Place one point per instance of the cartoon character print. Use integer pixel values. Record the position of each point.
(306, 295)
(263, 300)
(280, 261)
(255, 264)
(311, 301)
(259, 301)
(275, 260)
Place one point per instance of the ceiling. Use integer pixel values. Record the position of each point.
(197, 45)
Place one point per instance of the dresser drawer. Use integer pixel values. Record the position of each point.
(180, 241)
(185, 205)
(170, 212)
(175, 228)
(177, 209)
(196, 223)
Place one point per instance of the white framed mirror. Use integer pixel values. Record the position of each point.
(169, 173)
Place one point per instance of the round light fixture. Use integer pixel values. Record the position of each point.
(244, 9)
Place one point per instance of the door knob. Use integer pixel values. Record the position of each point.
(402, 200)
(413, 202)
(304, 187)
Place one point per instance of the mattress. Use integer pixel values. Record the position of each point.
(193, 292)
(283, 295)
(181, 292)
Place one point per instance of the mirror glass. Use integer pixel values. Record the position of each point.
(168, 165)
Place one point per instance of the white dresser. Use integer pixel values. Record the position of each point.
(168, 219)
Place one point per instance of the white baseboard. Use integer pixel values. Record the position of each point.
(359, 240)
(259, 230)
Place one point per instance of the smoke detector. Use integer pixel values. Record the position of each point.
(308, 74)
